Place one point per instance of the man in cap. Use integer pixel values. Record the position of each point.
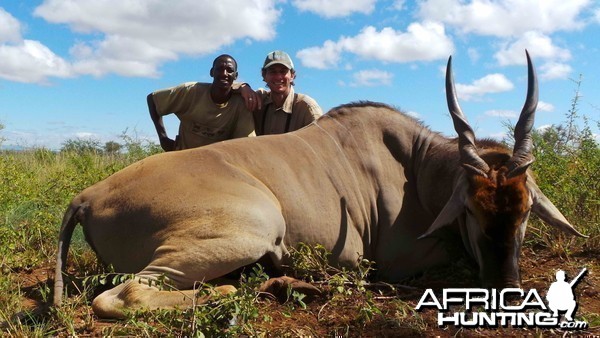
(208, 112)
(282, 110)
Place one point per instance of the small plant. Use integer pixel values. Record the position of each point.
(113, 278)
(345, 285)
(311, 263)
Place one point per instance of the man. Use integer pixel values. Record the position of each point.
(560, 295)
(208, 112)
(281, 110)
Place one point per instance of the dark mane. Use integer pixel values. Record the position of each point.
(489, 143)
(482, 143)
(344, 109)
(364, 103)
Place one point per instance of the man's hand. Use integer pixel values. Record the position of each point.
(252, 99)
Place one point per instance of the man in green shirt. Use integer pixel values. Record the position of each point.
(208, 112)
(281, 110)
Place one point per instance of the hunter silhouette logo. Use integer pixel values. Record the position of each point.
(560, 295)
(477, 307)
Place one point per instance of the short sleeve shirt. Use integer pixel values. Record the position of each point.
(298, 110)
(203, 121)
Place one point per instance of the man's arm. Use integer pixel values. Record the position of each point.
(165, 142)
(252, 99)
(314, 111)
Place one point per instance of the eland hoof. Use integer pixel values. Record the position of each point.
(278, 287)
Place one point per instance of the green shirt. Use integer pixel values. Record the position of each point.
(297, 111)
(203, 121)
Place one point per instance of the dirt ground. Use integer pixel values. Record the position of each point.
(324, 318)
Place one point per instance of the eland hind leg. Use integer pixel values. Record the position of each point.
(188, 257)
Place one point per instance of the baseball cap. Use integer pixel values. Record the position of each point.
(278, 57)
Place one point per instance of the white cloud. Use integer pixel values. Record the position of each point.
(421, 42)
(545, 106)
(335, 8)
(10, 28)
(137, 36)
(31, 62)
(502, 113)
(506, 18)
(493, 83)
(538, 45)
(187, 26)
(120, 55)
(555, 70)
(26, 61)
(373, 77)
(321, 57)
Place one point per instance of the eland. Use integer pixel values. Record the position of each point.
(364, 180)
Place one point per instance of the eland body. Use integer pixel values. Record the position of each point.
(363, 180)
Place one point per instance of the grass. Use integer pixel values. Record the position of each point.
(35, 188)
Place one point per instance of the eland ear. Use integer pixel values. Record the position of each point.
(453, 208)
(546, 210)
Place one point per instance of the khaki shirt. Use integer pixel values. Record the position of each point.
(203, 121)
(297, 111)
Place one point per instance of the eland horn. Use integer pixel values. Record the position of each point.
(522, 157)
(469, 157)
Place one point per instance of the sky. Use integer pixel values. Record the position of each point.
(82, 68)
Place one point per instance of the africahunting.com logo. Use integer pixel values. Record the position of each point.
(512, 307)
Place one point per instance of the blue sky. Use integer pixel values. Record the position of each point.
(83, 68)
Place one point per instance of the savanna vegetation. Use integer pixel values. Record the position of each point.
(36, 185)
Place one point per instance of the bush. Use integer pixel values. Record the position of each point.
(137, 148)
(112, 148)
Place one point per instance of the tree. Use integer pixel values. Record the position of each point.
(112, 147)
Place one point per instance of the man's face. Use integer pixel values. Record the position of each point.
(224, 72)
(279, 79)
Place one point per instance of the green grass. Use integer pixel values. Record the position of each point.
(35, 189)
